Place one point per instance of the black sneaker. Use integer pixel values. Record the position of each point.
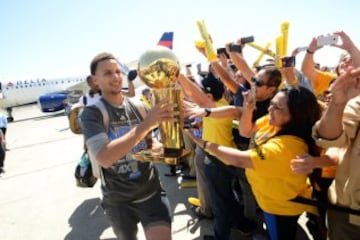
(246, 227)
(199, 214)
(208, 237)
(2, 171)
(188, 177)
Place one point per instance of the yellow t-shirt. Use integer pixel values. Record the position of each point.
(218, 130)
(323, 81)
(271, 179)
(146, 102)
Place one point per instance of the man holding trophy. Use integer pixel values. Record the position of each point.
(131, 189)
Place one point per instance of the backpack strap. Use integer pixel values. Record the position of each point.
(138, 109)
(101, 106)
(84, 100)
(96, 168)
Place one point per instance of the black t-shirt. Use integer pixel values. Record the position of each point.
(261, 110)
(127, 179)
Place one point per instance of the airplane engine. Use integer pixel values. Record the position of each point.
(52, 102)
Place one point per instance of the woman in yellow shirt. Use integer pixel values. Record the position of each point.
(277, 138)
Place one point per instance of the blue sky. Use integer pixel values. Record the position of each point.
(41, 38)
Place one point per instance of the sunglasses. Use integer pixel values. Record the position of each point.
(258, 82)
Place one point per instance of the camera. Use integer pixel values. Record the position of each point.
(220, 51)
(247, 39)
(235, 48)
(188, 123)
(327, 40)
(288, 61)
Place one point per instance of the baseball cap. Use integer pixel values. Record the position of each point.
(213, 85)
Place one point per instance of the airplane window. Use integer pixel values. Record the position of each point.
(43, 84)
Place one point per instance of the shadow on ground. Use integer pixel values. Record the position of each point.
(87, 222)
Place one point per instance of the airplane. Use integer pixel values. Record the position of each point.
(52, 93)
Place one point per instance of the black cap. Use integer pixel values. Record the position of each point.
(213, 85)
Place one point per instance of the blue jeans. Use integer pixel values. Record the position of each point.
(281, 227)
(227, 211)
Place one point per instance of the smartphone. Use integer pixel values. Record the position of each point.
(235, 48)
(288, 61)
(247, 39)
(188, 123)
(302, 49)
(327, 40)
(222, 51)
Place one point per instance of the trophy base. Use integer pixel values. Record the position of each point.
(172, 152)
(161, 156)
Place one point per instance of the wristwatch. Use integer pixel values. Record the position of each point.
(207, 111)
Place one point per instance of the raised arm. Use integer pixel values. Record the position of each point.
(346, 87)
(308, 65)
(130, 92)
(225, 77)
(290, 76)
(194, 92)
(231, 156)
(192, 111)
(113, 150)
(246, 126)
(241, 64)
(348, 45)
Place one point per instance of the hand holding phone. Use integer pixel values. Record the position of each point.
(327, 40)
(288, 61)
(302, 49)
(220, 51)
(250, 97)
(235, 48)
(247, 39)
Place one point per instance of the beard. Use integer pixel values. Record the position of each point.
(115, 92)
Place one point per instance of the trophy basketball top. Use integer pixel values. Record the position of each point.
(159, 68)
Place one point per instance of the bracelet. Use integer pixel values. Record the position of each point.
(205, 144)
(309, 52)
(207, 111)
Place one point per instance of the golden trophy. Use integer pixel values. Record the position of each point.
(159, 69)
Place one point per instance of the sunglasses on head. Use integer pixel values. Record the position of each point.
(258, 82)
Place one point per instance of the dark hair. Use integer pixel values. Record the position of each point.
(274, 76)
(211, 84)
(88, 78)
(145, 91)
(98, 58)
(305, 111)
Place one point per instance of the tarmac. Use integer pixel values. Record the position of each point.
(39, 197)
